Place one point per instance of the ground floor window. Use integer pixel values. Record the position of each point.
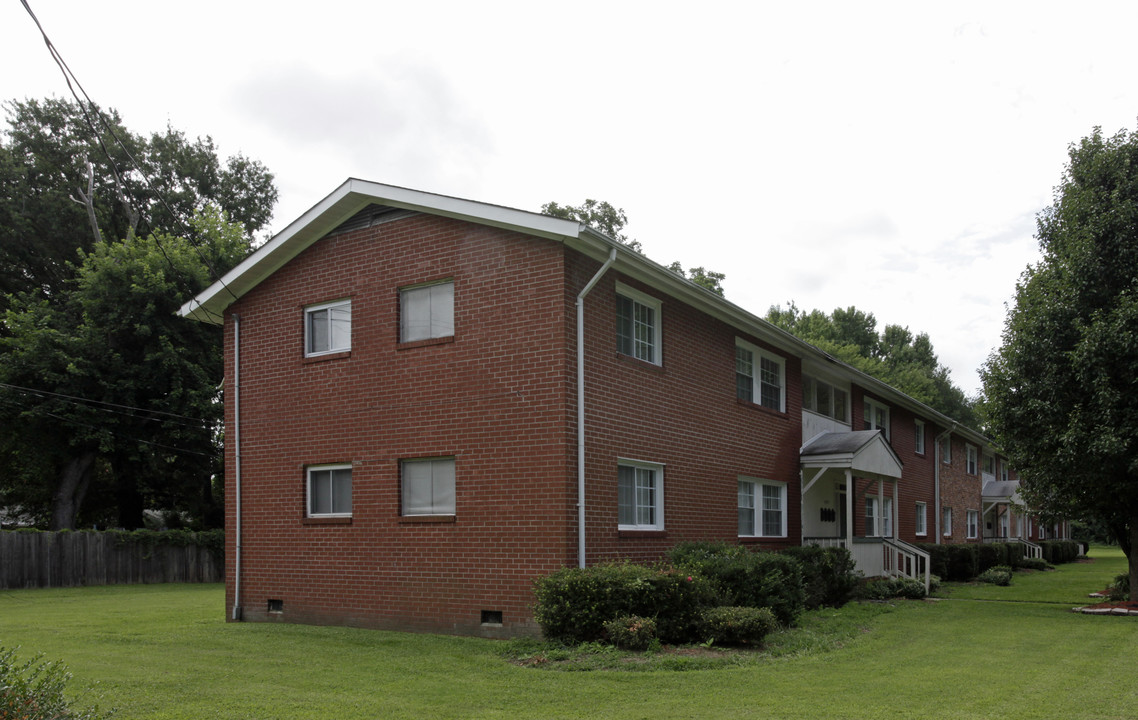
(640, 495)
(871, 509)
(428, 486)
(920, 522)
(973, 524)
(762, 508)
(946, 520)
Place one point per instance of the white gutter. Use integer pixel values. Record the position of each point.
(937, 462)
(581, 406)
(237, 463)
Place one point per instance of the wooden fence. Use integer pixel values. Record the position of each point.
(68, 559)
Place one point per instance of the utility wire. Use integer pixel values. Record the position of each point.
(68, 76)
(112, 407)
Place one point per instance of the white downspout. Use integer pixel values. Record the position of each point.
(581, 407)
(237, 464)
(937, 462)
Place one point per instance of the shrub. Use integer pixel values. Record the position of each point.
(573, 604)
(963, 562)
(999, 575)
(631, 632)
(938, 558)
(738, 625)
(829, 574)
(33, 690)
(1033, 564)
(886, 588)
(1120, 588)
(934, 584)
(1056, 552)
(746, 578)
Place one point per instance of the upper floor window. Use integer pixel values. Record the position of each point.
(759, 376)
(637, 325)
(876, 416)
(428, 486)
(1004, 470)
(762, 509)
(330, 491)
(328, 328)
(640, 495)
(919, 436)
(970, 455)
(824, 398)
(989, 465)
(946, 450)
(426, 311)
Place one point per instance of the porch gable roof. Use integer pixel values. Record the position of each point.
(866, 452)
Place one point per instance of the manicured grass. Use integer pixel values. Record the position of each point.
(1068, 584)
(164, 651)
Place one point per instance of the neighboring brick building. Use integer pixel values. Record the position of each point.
(403, 415)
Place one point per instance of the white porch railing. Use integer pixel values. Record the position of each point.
(1030, 549)
(906, 560)
(875, 557)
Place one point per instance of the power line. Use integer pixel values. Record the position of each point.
(68, 76)
(107, 406)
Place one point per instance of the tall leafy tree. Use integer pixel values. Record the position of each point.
(106, 388)
(67, 180)
(895, 355)
(602, 215)
(1061, 388)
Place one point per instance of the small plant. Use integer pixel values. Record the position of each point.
(631, 632)
(934, 584)
(738, 625)
(33, 690)
(999, 575)
(1120, 588)
(1033, 564)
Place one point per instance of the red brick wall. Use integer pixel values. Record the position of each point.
(683, 415)
(960, 491)
(493, 397)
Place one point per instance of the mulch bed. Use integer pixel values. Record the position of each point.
(1109, 607)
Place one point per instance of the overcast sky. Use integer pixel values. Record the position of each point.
(890, 156)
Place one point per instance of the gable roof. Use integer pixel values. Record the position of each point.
(865, 451)
(354, 195)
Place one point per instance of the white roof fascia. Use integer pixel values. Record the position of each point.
(344, 202)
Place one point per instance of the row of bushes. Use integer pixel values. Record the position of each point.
(701, 593)
(962, 562)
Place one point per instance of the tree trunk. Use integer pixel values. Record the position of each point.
(129, 499)
(1132, 559)
(68, 496)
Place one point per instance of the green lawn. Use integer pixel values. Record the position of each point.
(164, 651)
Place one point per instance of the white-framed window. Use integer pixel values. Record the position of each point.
(1019, 526)
(762, 508)
(426, 311)
(1005, 524)
(989, 464)
(328, 328)
(825, 399)
(876, 416)
(946, 521)
(973, 518)
(1004, 470)
(921, 521)
(640, 495)
(329, 490)
(871, 517)
(638, 325)
(970, 455)
(427, 486)
(919, 437)
(1028, 536)
(759, 376)
(946, 450)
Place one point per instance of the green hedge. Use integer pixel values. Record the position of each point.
(1057, 552)
(746, 578)
(573, 604)
(829, 574)
(965, 561)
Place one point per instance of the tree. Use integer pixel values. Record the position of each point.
(107, 387)
(895, 356)
(602, 216)
(1061, 388)
(61, 192)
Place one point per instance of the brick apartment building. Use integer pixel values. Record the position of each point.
(431, 401)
